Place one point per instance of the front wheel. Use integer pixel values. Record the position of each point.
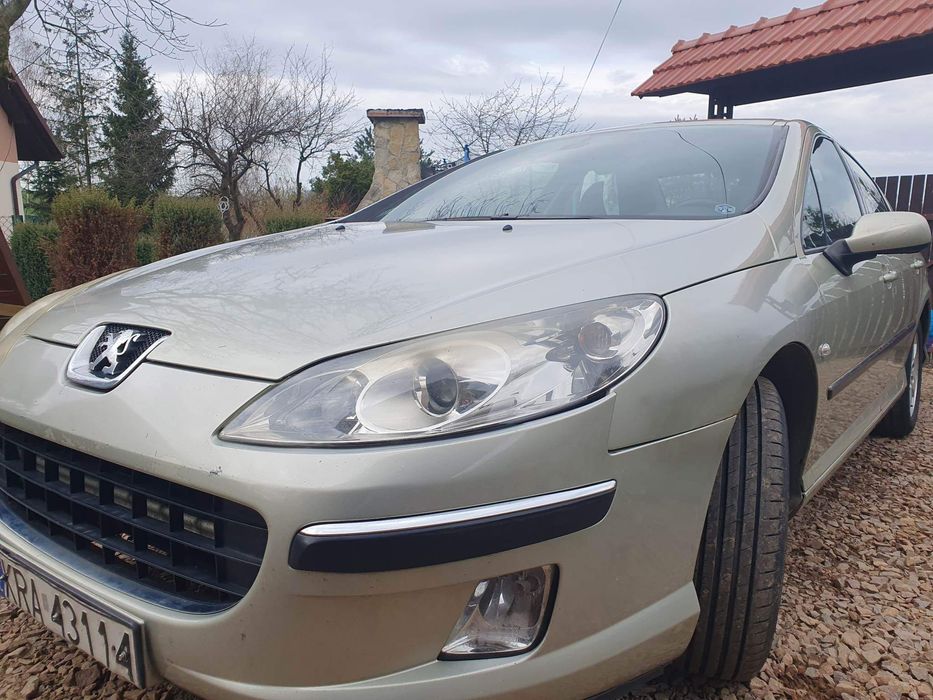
(901, 418)
(740, 568)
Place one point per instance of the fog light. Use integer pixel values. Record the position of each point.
(505, 615)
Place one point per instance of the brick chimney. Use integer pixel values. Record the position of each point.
(397, 160)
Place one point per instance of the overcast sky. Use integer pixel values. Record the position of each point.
(406, 53)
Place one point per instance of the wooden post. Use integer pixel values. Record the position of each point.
(12, 289)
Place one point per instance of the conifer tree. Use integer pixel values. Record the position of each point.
(47, 181)
(136, 141)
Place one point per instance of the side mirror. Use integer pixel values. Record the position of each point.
(884, 232)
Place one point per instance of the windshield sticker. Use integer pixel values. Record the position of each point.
(725, 209)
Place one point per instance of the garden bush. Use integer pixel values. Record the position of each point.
(182, 224)
(97, 236)
(30, 243)
(147, 251)
(288, 221)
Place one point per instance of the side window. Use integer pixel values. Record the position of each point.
(839, 203)
(812, 224)
(871, 196)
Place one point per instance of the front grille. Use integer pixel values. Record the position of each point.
(193, 545)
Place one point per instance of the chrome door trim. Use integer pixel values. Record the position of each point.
(851, 375)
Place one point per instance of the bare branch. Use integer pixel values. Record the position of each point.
(159, 27)
(319, 112)
(519, 112)
(229, 116)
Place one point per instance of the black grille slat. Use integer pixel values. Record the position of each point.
(143, 522)
(223, 509)
(197, 546)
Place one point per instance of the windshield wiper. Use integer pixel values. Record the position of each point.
(512, 217)
(504, 217)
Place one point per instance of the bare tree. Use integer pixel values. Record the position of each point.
(519, 112)
(228, 116)
(30, 59)
(319, 111)
(159, 25)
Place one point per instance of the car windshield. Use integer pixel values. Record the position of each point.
(692, 172)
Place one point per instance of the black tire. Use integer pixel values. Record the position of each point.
(901, 418)
(740, 567)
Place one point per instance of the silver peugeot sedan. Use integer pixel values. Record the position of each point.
(532, 428)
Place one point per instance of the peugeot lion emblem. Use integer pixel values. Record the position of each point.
(110, 352)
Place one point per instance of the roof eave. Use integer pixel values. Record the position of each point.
(874, 64)
(34, 139)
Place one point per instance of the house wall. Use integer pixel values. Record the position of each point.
(9, 166)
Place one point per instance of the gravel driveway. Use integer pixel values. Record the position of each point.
(857, 619)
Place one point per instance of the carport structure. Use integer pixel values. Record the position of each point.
(839, 44)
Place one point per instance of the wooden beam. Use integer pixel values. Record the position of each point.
(13, 290)
(8, 310)
(928, 198)
(903, 193)
(916, 194)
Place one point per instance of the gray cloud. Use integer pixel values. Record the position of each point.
(403, 54)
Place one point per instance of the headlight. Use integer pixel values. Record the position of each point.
(488, 375)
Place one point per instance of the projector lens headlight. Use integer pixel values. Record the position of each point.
(478, 377)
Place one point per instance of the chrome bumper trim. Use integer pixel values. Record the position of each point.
(457, 517)
(437, 538)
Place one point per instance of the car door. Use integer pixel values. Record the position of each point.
(910, 267)
(859, 314)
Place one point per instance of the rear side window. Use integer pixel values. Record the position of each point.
(837, 196)
(813, 234)
(872, 198)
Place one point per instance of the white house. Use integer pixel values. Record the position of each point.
(24, 136)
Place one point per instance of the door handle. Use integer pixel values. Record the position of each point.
(889, 276)
(918, 264)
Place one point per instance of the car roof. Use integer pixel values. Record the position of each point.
(720, 123)
(687, 124)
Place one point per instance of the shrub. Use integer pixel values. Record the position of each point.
(97, 236)
(146, 250)
(30, 243)
(182, 224)
(344, 181)
(289, 221)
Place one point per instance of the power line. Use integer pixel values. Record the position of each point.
(596, 57)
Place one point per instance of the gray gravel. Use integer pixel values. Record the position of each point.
(857, 619)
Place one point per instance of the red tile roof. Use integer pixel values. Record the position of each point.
(835, 27)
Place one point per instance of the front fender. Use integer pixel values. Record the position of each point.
(720, 335)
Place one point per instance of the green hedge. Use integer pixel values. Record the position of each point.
(147, 251)
(30, 244)
(288, 222)
(97, 236)
(181, 224)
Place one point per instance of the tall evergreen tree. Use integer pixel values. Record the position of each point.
(135, 139)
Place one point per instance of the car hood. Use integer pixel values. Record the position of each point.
(268, 306)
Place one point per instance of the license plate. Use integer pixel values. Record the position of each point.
(111, 637)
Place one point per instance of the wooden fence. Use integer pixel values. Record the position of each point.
(12, 290)
(909, 193)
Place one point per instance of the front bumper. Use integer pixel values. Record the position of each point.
(625, 601)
